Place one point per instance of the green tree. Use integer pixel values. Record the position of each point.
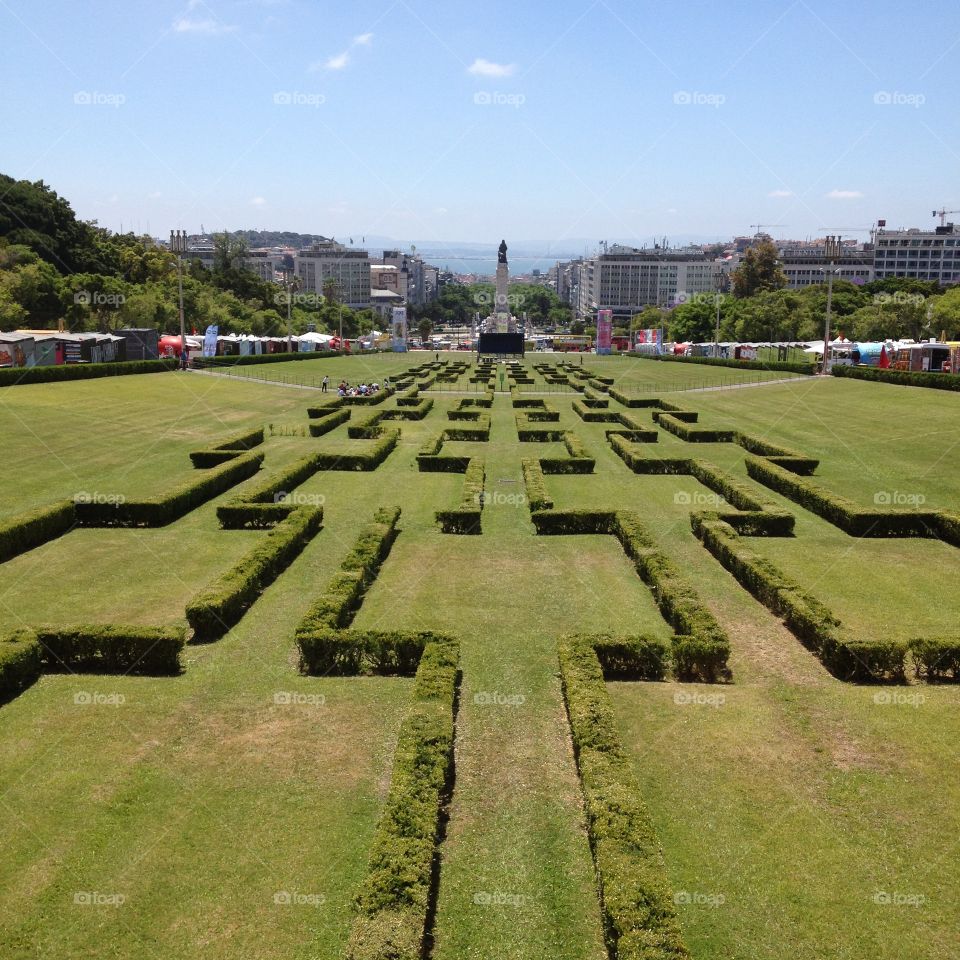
(759, 270)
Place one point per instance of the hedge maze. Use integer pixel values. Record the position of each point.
(396, 902)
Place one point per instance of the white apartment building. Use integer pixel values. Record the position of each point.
(328, 259)
(920, 254)
(625, 280)
(807, 264)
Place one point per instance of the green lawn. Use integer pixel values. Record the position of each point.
(786, 812)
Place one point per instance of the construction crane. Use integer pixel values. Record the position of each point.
(759, 226)
(942, 214)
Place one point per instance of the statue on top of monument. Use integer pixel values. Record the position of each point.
(502, 257)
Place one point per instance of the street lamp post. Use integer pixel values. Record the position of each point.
(178, 245)
(832, 249)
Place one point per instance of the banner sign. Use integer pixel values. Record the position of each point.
(604, 330)
(652, 336)
(399, 329)
(210, 340)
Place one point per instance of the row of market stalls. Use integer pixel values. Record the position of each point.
(37, 348)
(44, 348)
(924, 356)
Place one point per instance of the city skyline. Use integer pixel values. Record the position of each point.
(561, 124)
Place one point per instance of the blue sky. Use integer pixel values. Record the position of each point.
(555, 122)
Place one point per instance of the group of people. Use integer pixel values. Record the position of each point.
(360, 390)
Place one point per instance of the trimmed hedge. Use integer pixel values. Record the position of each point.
(215, 610)
(111, 648)
(17, 376)
(466, 517)
(621, 397)
(679, 428)
(849, 516)
(326, 410)
(164, 509)
(535, 486)
(328, 651)
(370, 460)
(371, 399)
(335, 607)
(782, 456)
(394, 900)
(227, 450)
(631, 658)
(903, 378)
(700, 647)
(936, 659)
(845, 656)
(329, 422)
(411, 411)
(238, 360)
(28, 530)
(636, 902)
(21, 663)
(785, 366)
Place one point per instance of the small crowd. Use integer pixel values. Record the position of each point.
(360, 390)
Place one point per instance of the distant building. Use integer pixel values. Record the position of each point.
(625, 279)
(327, 259)
(806, 264)
(918, 254)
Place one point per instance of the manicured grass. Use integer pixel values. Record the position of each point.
(794, 798)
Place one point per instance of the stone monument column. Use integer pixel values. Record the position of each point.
(501, 307)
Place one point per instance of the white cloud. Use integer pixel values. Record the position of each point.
(258, 201)
(440, 211)
(780, 193)
(338, 62)
(154, 195)
(486, 68)
(208, 26)
(844, 194)
(341, 60)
